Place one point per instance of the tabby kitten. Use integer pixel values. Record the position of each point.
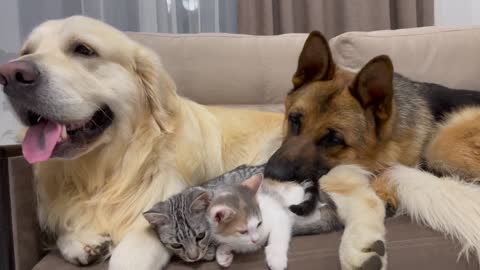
(181, 225)
(180, 222)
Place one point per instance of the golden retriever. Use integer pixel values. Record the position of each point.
(112, 137)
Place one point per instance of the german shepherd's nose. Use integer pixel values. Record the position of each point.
(18, 76)
(296, 160)
(280, 168)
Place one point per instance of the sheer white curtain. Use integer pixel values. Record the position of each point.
(18, 17)
(457, 13)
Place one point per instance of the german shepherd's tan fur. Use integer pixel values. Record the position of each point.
(376, 118)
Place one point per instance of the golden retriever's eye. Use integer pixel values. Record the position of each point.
(84, 50)
(25, 52)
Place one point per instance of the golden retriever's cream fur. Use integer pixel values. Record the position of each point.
(159, 143)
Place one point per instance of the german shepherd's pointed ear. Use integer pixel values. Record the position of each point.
(373, 87)
(159, 88)
(315, 61)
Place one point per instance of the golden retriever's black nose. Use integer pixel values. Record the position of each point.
(18, 73)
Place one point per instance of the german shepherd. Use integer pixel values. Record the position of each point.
(374, 118)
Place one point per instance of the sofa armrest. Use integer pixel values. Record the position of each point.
(6, 237)
(26, 231)
(21, 245)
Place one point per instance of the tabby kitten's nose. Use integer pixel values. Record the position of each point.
(193, 255)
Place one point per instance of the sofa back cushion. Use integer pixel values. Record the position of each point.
(443, 55)
(228, 68)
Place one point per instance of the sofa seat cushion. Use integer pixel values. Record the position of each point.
(409, 247)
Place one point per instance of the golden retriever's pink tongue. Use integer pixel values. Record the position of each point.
(40, 141)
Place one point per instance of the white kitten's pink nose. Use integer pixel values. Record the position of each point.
(254, 238)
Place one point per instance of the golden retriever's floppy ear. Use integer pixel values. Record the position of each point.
(159, 88)
(373, 87)
(315, 61)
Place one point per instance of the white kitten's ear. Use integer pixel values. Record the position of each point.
(201, 201)
(221, 214)
(254, 182)
(155, 218)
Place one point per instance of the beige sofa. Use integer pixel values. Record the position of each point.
(255, 72)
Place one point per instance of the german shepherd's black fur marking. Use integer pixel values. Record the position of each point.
(443, 100)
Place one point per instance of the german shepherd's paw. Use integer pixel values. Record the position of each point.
(363, 256)
(84, 248)
(378, 253)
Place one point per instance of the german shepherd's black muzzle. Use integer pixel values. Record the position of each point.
(283, 167)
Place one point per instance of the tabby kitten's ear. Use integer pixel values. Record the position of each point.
(201, 201)
(220, 214)
(253, 183)
(155, 217)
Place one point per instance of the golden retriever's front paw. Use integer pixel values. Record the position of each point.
(84, 249)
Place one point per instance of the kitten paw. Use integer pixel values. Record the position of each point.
(275, 260)
(224, 256)
(84, 249)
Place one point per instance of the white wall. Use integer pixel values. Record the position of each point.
(457, 12)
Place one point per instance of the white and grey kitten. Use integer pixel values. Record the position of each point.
(245, 217)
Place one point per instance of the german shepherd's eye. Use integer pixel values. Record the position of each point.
(84, 50)
(295, 122)
(331, 138)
